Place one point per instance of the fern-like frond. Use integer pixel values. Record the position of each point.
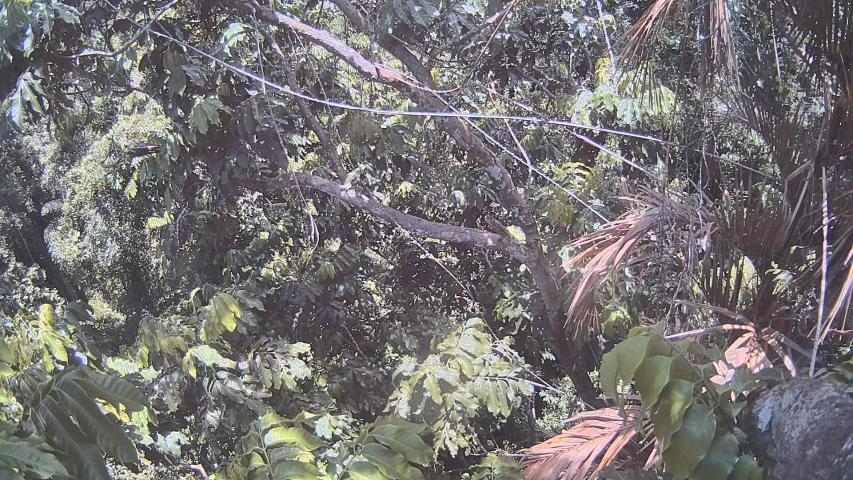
(593, 443)
(604, 251)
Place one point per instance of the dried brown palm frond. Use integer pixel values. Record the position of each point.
(751, 348)
(605, 250)
(788, 134)
(599, 439)
(823, 31)
(713, 22)
(640, 39)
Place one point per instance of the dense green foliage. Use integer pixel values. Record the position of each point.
(398, 239)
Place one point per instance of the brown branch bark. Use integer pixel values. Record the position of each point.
(576, 361)
(421, 227)
(454, 127)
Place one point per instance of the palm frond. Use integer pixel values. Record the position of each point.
(713, 22)
(605, 250)
(595, 442)
(641, 37)
(824, 31)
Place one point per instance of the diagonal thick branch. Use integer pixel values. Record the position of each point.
(418, 226)
(510, 198)
(577, 361)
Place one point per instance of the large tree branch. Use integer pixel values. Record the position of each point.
(510, 198)
(421, 227)
(532, 255)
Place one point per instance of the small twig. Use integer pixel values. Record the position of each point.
(130, 42)
(522, 150)
(819, 331)
(703, 331)
(606, 35)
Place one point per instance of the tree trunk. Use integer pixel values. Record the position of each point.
(576, 361)
(804, 430)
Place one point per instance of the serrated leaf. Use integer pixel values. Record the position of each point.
(720, 459)
(294, 435)
(365, 471)
(405, 443)
(391, 464)
(433, 388)
(691, 442)
(23, 456)
(108, 435)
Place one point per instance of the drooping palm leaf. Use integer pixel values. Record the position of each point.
(605, 250)
(593, 443)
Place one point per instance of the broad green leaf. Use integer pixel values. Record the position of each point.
(210, 357)
(256, 461)
(747, 468)
(270, 420)
(405, 443)
(84, 455)
(232, 304)
(294, 435)
(415, 428)
(224, 313)
(691, 442)
(391, 464)
(7, 473)
(108, 435)
(651, 377)
(113, 390)
(54, 343)
(198, 118)
(516, 233)
(6, 354)
(433, 388)
(24, 456)
(293, 470)
(365, 471)
(46, 319)
(720, 459)
(632, 352)
(607, 374)
(658, 346)
(667, 419)
(621, 363)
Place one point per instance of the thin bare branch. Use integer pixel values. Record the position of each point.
(129, 43)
